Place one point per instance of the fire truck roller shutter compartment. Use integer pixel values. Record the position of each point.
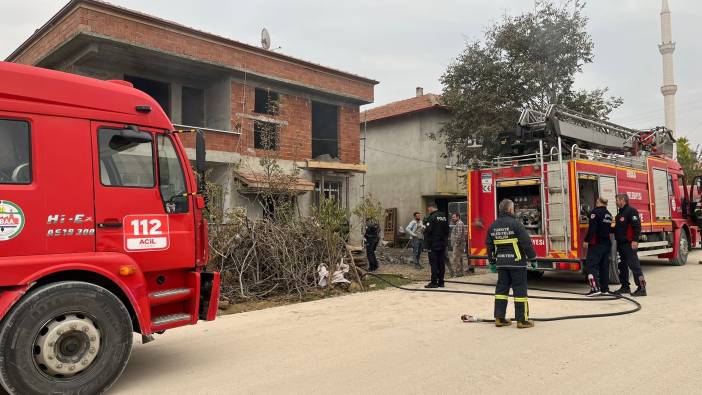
(660, 194)
(526, 195)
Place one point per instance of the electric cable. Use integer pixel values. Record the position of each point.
(637, 305)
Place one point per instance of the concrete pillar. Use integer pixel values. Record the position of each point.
(176, 102)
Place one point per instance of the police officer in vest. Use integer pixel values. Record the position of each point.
(627, 230)
(509, 247)
(599, 247)
(436, 235)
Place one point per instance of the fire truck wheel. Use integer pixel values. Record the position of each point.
(534, 274)
(683, 249)
(68, 337)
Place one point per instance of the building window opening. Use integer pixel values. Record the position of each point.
(267, 102)
(266, 136)
(160, 91)
(325, 130)
(193, 100)
(331, 190)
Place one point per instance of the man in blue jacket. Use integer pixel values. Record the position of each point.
(627, 230)
(599, 248)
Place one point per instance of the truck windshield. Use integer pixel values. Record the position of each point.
(171, 178)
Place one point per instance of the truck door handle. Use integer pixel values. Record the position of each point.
(109, 224)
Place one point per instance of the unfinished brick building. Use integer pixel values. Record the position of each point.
(235, 91)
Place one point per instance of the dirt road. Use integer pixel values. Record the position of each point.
(399, 342)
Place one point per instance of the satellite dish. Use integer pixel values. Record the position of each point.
(265, 39)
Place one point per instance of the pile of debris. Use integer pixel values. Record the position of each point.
(264, 258)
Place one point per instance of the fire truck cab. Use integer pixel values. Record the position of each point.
(554, 182)
(101, 230)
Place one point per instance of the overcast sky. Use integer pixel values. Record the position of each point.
(409, 43)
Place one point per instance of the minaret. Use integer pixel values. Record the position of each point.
(668, 89)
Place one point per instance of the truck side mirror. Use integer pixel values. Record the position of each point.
(200, 159)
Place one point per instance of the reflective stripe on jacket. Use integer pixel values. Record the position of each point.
(508, 242)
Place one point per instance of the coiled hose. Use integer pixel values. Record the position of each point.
(637, 305)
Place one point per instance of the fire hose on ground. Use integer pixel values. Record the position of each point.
(582, 298)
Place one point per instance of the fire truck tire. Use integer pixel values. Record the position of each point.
(68, 337)
(683, 249)
(534, 274)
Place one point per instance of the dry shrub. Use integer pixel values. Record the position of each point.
(277, 255)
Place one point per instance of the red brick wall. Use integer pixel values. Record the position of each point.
(179, 42)
(295, 137)
(349, 134)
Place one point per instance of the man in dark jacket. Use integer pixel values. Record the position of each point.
(509, 247)
(372, 238)
(599, 247)
(627, 230)
(436, 235)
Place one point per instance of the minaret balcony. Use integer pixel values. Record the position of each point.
(666, 48)
(669, 89)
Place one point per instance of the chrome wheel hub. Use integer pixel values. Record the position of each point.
(66, 345)
(683, 246)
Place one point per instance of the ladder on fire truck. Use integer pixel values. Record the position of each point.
(555, 204)
(553, 181)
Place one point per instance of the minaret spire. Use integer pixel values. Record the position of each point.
(668, 89)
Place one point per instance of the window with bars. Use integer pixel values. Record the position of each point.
(266, 136)
(266, 102)
(331, 190)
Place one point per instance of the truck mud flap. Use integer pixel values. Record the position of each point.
(209, 295)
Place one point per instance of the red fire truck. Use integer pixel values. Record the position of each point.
(101, 230)
(554, 165)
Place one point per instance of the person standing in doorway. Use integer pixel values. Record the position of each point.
(436, 236)
(458, 244)
(627, 230)
(416, 231)
(372, 238)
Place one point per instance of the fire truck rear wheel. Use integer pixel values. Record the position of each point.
(535, 274)
(683, 249)
(68, 338)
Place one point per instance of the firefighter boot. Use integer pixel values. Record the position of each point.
(502, 322)
(640, 291)
(525, 324)
(622, 291)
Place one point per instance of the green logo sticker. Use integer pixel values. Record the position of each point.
(11, 220)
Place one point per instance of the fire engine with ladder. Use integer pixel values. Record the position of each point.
(554, 165)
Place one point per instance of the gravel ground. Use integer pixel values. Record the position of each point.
(397, 342)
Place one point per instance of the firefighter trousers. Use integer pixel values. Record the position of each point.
(371, 245)
(437, 261)
(516, 279)
(598, 264)
(629, 259)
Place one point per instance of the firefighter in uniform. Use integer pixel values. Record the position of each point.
(627, 230)
(599, 247)
(436, 235)
(509, 247)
